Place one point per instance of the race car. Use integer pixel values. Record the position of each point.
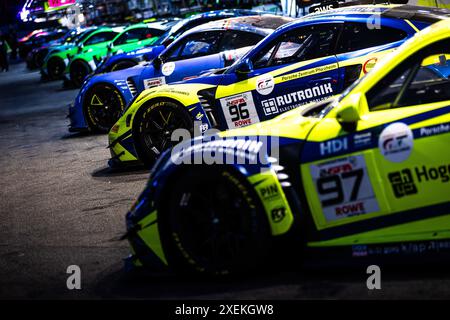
(307, 60)
(26, 44)
(56, 62)
(132, 58)
(209, 46)
(364, 176)
(36, 57)
(132, 37)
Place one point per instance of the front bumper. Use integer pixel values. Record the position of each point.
(121, 147)
(77, 121)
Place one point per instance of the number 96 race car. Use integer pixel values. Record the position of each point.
(365, 174)
(307, 60)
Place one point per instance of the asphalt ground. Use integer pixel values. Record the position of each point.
(61, 205)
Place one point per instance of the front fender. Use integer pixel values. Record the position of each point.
(251, 157)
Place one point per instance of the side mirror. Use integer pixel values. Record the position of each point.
(157, 62)
(244, 67)
(348, 112)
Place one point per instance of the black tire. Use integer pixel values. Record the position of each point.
(214, 223)
(78, 71)
(55, 68)
(123, 65)
(154, 125)
(103, 105)
(39, 58)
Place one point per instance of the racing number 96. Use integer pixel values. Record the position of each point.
(239, 111)
(333, 187)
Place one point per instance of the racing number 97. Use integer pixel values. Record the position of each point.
(239, 111)
(333, 185)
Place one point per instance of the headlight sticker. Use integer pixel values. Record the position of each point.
(239, 110)
(344, 188)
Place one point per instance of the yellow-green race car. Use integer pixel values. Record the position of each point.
(365, 174)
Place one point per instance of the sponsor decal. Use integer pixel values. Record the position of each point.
(265, 85)
(369, 64)
(199, 116)
(402, 183)
(309, 72)
(405, 249)
(203, 127)
(362, 140)
(154, 82)
(269, 192)
(344, 188)
(278, 214)
(396, 142)
(429, 173)
(294, 99)
(239, 110)
(433, 130)
(333, 146)
(168, 68)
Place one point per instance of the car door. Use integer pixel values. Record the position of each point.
(297, 67)
(395, 162)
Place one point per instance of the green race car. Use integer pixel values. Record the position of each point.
(56, 63)
(364, 175)
(133, 37)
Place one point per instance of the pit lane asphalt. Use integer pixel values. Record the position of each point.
(61, 206)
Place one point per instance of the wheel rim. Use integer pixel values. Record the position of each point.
(105, 105)
(216, 226)
(157, 127)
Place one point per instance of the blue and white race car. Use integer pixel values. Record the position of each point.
(124, 60)
(214, 45)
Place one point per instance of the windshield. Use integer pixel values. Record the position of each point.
(83, 36)
(166, 35)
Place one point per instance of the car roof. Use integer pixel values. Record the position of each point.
(263, 24)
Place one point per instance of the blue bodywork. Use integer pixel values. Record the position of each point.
(132, 81)
(149, 53)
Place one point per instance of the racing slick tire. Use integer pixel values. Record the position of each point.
(78, 71)
(215, 231)
(125, 64)
(153, 127)
(55, 68)
(103, 105)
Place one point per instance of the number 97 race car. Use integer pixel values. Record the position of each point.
(307, 60)
(365, 174)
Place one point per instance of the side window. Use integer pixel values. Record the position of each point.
(100, 37)
(299, 45)
(197, 45)
(236, 39)
(129, 36)
(420, 79)
(357, 36)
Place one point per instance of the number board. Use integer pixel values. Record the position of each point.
(344, 188)
(239, 110)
